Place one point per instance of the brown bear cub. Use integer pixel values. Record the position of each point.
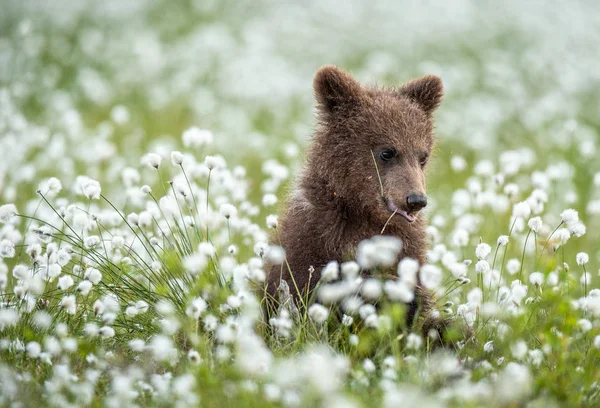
(339, 198)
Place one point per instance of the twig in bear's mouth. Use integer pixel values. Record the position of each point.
(377, 170)
(387, 222)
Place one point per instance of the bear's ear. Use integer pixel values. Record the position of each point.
(335, 88)
(426, 91)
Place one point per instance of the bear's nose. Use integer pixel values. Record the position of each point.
(416, 202)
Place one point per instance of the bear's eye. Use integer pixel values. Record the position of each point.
(387, 154)
(423, 160)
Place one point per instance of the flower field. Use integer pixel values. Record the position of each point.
(146, 148)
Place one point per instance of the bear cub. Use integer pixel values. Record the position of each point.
(341, 197)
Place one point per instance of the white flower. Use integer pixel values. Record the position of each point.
(212, 162)
(81, 221)
(371, 289)
(93, 275)
(271, 221)
(33, 349)
(518, 291)
(372, 321)
(227, 210)
(502, 240)
(106, 332)
(582, 258)
(7, 249)
(552, 279)
(84, 287)
(269, 199)
(458, 269)
(133, 219)
(413, 341)
(206, 249)
(69, 304)
(98, 307)
(91, 188)
(42, 320)
(137, 345)
(330, 272)
(3, 282)
(118, 242)
(513, 383)
(460, 238)
(196, 308)
(194, 357)
(562, 235)
(130, 176)
(7, 212)
(475, 296)
(51, 187)
(65, 282)
(347, 320)
(131, 311)
(398, 291)
(152, 160)
(407, 270)
(63, 257)
(535, 224)
(210, 323)
(458, 163)
(20, 272)
(91, 241)
(484, 168)
(146, 189)
(482, 250)
(369, 366)
(34, 250)
(578, 229)
(519, 349)
(54, 270)
(513, 266)
(350, 269)
(431, 276)
(260, 248)
(142, 306)
(234, 301)
(585, 278)
(569, 216)
(585, 325)
(196, 137)
(318, 313)
(536, 278)
(488, 347)
(169, 207)
(521, 210)
(511, 190)
(226, 333)
(498, 179)
(120, 114)
(8, 318)
(275, 255)
(378, 251)
(272, 392)
(176, 158)
(482, 267)
(194, 263)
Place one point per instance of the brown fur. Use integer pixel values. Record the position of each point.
(337, 201)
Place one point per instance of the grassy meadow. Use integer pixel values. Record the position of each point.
(146, 148)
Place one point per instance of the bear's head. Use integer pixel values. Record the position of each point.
(373, 144)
